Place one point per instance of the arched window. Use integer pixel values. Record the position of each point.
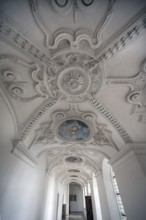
(118, 197)
(112, 192)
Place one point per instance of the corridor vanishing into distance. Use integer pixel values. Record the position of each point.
(72, 109)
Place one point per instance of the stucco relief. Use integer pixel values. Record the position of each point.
(72, 34)
(75, 76)
(137, 94)
(72, 77)
(13, 81)
(65, 130)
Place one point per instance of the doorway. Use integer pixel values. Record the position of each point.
(75, 199)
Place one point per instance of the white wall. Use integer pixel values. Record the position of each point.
(76, 206)
(95, 199)
(111, 199)
(103, 198)
(132, 184)
(66, 197)
(21, 186)
(50, 199)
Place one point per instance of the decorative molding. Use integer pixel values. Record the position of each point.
(130, 32)
(74, 38)
(120, 155)
(23, 153)
(139, 148)
(11, 110)
(35, 117)
(13, 82)
(108, 115)
(71, 77)
(73, 149)
(48, 132)
(127, 153)
(137, 95)
(58, 161)
(12, 36)
(74, 77)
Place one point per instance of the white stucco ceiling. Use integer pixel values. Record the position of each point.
(82, 61)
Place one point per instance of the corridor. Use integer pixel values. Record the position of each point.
(72, 109)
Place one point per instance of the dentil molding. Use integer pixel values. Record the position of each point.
(129, 33)
(112, 119)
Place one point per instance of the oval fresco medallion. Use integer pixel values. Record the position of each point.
(74, 170)
(74, 159)
(74, 130)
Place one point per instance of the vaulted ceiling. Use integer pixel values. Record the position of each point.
(73, 75)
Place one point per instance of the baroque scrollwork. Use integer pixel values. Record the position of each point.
(73, 37)
(137, 94)
(97, 133)
(74, 77)
(12, 81)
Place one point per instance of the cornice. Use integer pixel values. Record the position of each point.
(139, 148)
(20, 151)
(128, 148)
(127, 153)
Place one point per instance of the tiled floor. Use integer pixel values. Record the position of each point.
(75, 217)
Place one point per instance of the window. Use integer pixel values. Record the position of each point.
(118, 197)
(72, 197)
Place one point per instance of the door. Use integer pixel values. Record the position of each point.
(89, 207)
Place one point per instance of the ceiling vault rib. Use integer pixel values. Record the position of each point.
(13, 37)
(112, 119)
(73, 76)
(35, 117)
(119, 41)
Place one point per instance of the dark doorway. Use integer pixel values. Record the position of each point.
(89, 208)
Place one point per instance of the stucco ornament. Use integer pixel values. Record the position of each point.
(137, 94)
(74, 77)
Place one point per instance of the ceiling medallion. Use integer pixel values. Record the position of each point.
(74, 81)
(73, 159)
(74, 130)
(74, 77)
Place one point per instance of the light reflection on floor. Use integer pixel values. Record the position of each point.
(75, 217)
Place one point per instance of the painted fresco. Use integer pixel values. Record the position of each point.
(74, 159)
(74, 130)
